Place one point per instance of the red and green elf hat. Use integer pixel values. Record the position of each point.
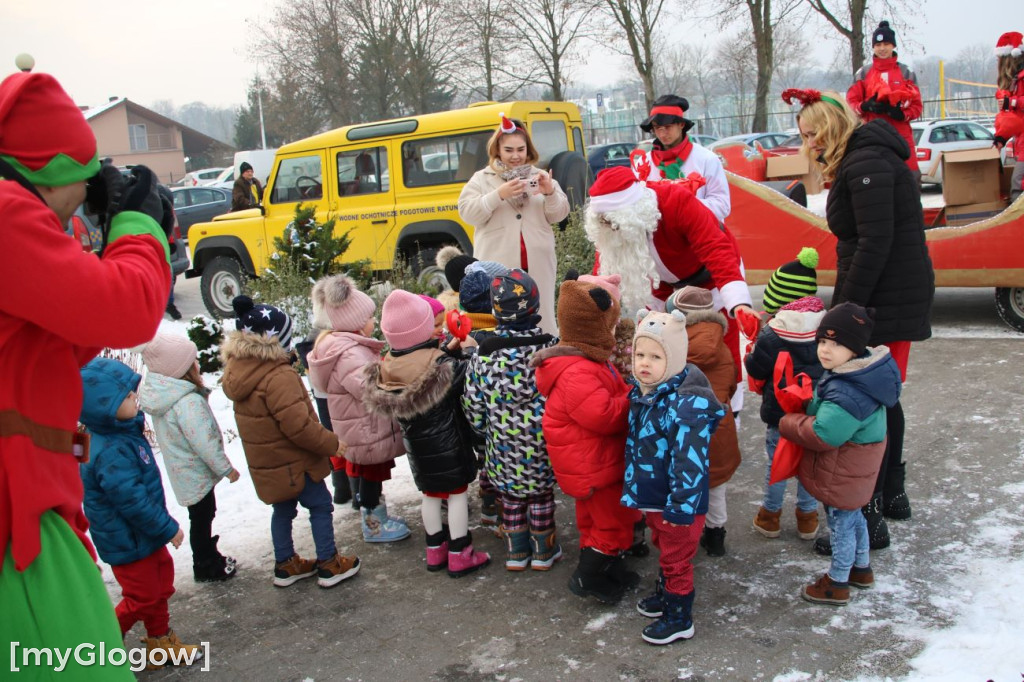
(43, 135)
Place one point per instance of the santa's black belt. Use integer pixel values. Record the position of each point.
(697, 279)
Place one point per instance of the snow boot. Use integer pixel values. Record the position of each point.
(336, 569)
(651, 605)
(379, 527)
(437, 551)
(639, 548)
(214, 568)
(807, 524)
(517, 546)
(169, 650)
(342, 489)
(545, 548)
(897, 504)
(463, 559)
(618, 571)
(490, 512)
(676, 620)
(861, 578)
(767, 523)
(591, 578)
(825, 591)
(713, 541)
(354, 486)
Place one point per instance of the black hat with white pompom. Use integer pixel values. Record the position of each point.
(262, 319)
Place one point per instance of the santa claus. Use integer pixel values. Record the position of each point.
(659, 237)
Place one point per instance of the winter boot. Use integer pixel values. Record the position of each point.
(639, 548)
(767, 523)
(591, 578)
(379, 527)
(545, 548)
(214, 568)
(618, 571)
(173, 311)
(490, 514)
(825, 591)
(342, 489)
(897, 504)
(517, 546)
(651, 605)
(878, 529)
(169, 650)
(337, 568)
(353, 486)
(675, 621)
(437, 551)
(293, 570)
(713, 541)
(463, 559)
(807, 524)
(861, 578)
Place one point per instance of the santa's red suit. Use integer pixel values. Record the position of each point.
(893, 84)
(1010, 105)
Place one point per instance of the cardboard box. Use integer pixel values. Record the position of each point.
(794, 167)
(972, 213)
(971, 176)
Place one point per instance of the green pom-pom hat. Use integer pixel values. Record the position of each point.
(792, 280)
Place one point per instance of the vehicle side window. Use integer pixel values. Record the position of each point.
(940, 135)
(614, 153)
(577, 139)
(549, 138)
(443, 160)
(363, 171)
(203, 196)
(298, 179)
(181, 199)
(977, 132)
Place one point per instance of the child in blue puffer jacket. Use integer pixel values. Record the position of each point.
(124, 502)
(673, 413)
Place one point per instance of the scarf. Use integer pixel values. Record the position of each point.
(673, 159)
(518, 173)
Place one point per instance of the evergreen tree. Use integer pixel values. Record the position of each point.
(309, 247)
(207, 334)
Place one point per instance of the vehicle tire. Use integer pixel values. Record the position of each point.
(1010, 306)
(220, 283)
(573, 174)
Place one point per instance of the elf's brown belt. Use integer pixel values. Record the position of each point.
(14, 423)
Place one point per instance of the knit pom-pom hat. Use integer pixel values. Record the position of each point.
(340, 306)
(263, 319)
(792, 280)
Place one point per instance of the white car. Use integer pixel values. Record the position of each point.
(202, 177)
(934, 137)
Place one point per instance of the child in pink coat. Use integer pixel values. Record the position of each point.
(336, 368)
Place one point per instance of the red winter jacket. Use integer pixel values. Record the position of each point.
(59, 306)
(585, 419)
(893, 83)
(1010, 121)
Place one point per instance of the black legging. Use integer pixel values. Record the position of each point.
(200, 516)
(895, 425)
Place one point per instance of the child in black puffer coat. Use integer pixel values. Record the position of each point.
(421, 386)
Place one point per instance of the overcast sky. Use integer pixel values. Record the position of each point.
(196, 50)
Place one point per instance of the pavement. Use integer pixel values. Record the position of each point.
(396, 621)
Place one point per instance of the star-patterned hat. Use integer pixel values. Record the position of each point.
(515, 300)
(262, 319)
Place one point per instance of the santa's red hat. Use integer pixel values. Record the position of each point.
(615, 188)
(43, 135)
(507, 125)
(1009, 44)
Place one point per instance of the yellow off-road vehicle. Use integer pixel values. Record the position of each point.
(393, 185)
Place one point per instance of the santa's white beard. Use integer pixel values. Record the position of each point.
(621, 236)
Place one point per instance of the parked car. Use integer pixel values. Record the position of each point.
(791, 145)
(603, 156)
(199, 205)
(204, 176)
(702, 140)
(766, 140)
(934, 137)
(226, 180)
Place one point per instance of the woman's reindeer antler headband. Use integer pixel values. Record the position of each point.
(808, 96)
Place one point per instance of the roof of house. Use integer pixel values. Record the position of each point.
(190, 136)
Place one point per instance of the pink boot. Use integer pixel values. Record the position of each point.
(462, 560)
(437, 551)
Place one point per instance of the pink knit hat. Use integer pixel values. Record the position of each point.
(406, 320)
(609, 283)
(340, 306)
(436, 306)
(169, 354)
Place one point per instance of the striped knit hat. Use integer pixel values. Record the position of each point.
(792, 280)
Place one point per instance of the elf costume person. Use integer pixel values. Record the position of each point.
(675, 156)
(59, 306)
(1010, 103)
(887, 90)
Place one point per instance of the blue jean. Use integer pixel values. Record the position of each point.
(774, 494)
(316, 498)
(850, 547)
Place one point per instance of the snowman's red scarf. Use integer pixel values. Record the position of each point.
(667, 157)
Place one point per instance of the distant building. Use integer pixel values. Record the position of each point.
(131, 134)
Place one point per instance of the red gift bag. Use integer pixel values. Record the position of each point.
(792, 392)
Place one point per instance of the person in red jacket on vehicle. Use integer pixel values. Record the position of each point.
(585, 421)
(887, 90)
(59, 306)
(1010, 101)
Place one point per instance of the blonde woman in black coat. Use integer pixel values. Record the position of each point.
(874, 210)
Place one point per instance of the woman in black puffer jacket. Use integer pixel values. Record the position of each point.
(874, 210)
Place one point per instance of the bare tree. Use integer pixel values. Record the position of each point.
(735, 64)
(850, 18)
(486, 69)
(638, 19)
(427, 31)
(550, 31)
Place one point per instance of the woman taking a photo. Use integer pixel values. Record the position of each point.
(511, 206)
(874, 211)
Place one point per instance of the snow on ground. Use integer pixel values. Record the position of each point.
(981, 627)
(816, 202)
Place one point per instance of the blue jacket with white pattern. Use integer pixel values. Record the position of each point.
(667, 447)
